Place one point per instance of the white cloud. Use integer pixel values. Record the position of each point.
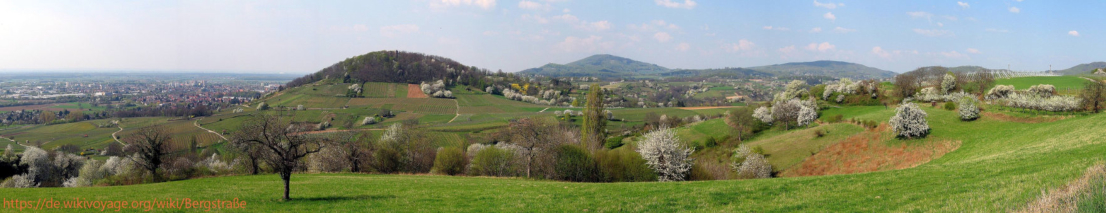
(742, 45)
(843, 30)
(1015, 10)
(566, 10)
(776, 28)
(683, 46)
(529, 5)
(787, 49)
(574, 44)
(830, 16)
(662, 23)
(567, 18)
(939, 24)
(933, 33)
(973, 51)
(486, 4)
(535, 18)
(920, 14)
(1074, 33)
(823, 47)
(827, 5)
(597, 26)
(880, 52)
(816, 30)
(955, 55)
(397, 30)
(688, 4)
(662, 36)
(964, 5)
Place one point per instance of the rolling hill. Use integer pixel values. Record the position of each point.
(609, 66)
(1083, 68)
(602, 66)
(836, 69)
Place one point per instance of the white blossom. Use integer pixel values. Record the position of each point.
(664, 153)
(763, 114)
(909, 121)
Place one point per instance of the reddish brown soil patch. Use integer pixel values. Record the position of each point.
(1038, 119)
(870, 151)
(414, 91)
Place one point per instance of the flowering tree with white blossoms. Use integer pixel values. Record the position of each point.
(948, 83)
(909, 121)
(807, 116)
(763, 114)
(968, 110)
(749, 164)
(663, 152)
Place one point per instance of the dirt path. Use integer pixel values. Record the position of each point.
(334, 130)
(457, 112)
(543, 110)
(16, 142)
(116, 138)
(197, 123)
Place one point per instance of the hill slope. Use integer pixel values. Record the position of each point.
(836, 69)
(1001, 170)
(1083, 68)
(602, 65)
(389, 66)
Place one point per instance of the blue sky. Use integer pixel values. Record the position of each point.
(511, 35)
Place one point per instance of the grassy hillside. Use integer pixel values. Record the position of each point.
(603, 66)
(1061, 82)
(836, 69)
(1001, 170)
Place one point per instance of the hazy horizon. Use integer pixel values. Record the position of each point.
(300, 37)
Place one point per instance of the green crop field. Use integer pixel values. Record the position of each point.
(1062, 83)
(83, 134)
(383, 90)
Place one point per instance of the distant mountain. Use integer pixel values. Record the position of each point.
(603, 66)
(967, 69)
(1083, 68)
(722, 73)
(836, 69)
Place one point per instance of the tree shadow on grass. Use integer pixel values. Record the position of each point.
(344, 198)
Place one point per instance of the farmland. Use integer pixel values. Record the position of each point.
(992, 172)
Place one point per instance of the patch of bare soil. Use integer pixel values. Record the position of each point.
(870, 151)
(414, 91)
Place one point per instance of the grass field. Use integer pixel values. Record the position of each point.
(1061, 82)
(999, 171)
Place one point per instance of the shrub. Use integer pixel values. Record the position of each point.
(386, 160)
(710, 142)
(819, 133)
(623, 165)
(665, 155)
(575, 164)
(750, 164)
(450, 161)
(909, 121)
(835, 119)
(968, 110)
(1000, 91)
(1043, 90)
(1036, 102)
(949, 106)
(807, 115)
(613, 142)
(493, 161)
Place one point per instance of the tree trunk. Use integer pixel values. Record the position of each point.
(286, 177)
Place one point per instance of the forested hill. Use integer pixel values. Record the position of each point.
(1083, 68)
(602, 66)
(392, 66)
(835, 69)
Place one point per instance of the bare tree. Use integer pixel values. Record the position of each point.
(358, 149)
(742, 121)
(151, 147)
(284, 143)
(1094, 96)
(536, 139)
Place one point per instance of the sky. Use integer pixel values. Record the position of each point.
(297, 37)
